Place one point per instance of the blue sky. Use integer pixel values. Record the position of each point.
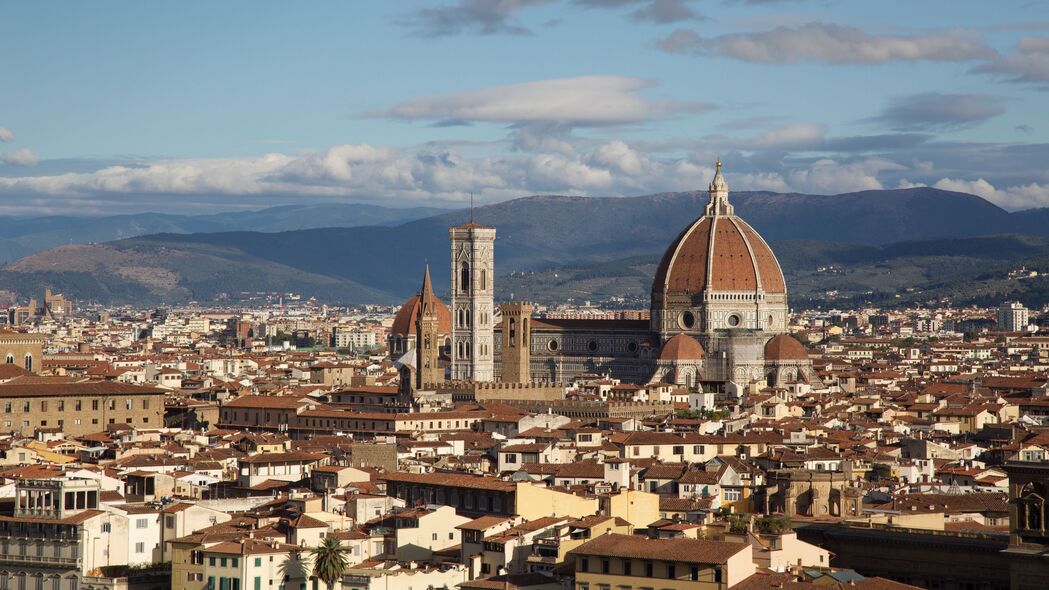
(202, 106)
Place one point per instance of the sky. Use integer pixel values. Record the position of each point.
(199, 106)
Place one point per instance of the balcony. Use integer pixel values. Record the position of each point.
(41, 560)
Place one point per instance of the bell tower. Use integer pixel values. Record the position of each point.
(517, 341)
(473, 357)
(427, 340)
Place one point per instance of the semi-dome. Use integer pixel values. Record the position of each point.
(682, 348)
(718, 252)
(785, 348)
(404, 321)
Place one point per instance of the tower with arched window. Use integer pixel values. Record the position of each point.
(473, 268)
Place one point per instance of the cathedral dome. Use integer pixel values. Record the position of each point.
(785, 348)
(718, 252)
(404, 321)
(682, 348)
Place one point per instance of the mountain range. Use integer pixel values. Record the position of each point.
(919, 244)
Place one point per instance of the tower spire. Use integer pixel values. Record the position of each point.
(718, 203)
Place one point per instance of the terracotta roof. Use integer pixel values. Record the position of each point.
(685, 550)
(735, 258)
(404, 321)
(785, 348)
(22, 389)
(682, 348)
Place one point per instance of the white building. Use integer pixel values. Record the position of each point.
(1012, 316)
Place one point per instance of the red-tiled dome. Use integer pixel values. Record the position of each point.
(404, 321)
(785, 348)
(719, 253)
(682, 348)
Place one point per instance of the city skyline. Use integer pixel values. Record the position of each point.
(196, 108)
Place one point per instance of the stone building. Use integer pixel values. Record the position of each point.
(22, 349)
(78, 408)
(718, 317)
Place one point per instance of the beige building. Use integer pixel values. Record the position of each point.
(78, 408)
(627, 562)
(22, 349)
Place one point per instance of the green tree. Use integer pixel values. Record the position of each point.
(329, 561)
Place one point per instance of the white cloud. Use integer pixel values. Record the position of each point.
(584, 100)
(828, 176)
(19, 157)
(1023, 196)
(6, 135)
(830, 43)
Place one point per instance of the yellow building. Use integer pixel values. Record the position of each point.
(627, 562)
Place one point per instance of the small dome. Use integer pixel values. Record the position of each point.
(682, 348)
(404, 321)
(785, 348)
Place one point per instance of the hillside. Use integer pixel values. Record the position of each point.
(555, 247)
(20, 236)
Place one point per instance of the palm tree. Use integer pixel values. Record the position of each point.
(329, 561)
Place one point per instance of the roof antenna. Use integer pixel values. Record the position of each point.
(471, 206)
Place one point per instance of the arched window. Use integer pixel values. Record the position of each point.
(467, 349)
(464, 277)
(28, 362)
(467, 316)
(484, 279)
(512, 336)
(10, 359)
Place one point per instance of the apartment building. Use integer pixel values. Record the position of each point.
(78, 407)
(627, 562)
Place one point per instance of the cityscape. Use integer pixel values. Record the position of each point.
(541, 325)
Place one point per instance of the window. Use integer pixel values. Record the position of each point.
(78, 406)
(605, 566)
(25, 407)
(697, 449)
(211, 579)
(145, 404)
(671, 571)
(258, 583)
(7, 407)
(61, 405)
(169, 521)
(127, 403)
(584, 564)
(94, 405)
(43, 406)
(435, 536)
(142, 523)
(223, 561)
(235, 562)
(648, 569)
(140, 547)
(106, 528)
(717, 575)
(211, 561)
(679, 449)
(693, 574)
(626, 567)
(511, 457)
(258, 562)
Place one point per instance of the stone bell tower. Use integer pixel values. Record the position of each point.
(473, 307)
(428, 369)
(517, 340)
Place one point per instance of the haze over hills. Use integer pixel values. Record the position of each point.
(24, 236)
(594, 246)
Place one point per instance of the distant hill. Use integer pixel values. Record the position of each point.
(21, 236)
(604, 246)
